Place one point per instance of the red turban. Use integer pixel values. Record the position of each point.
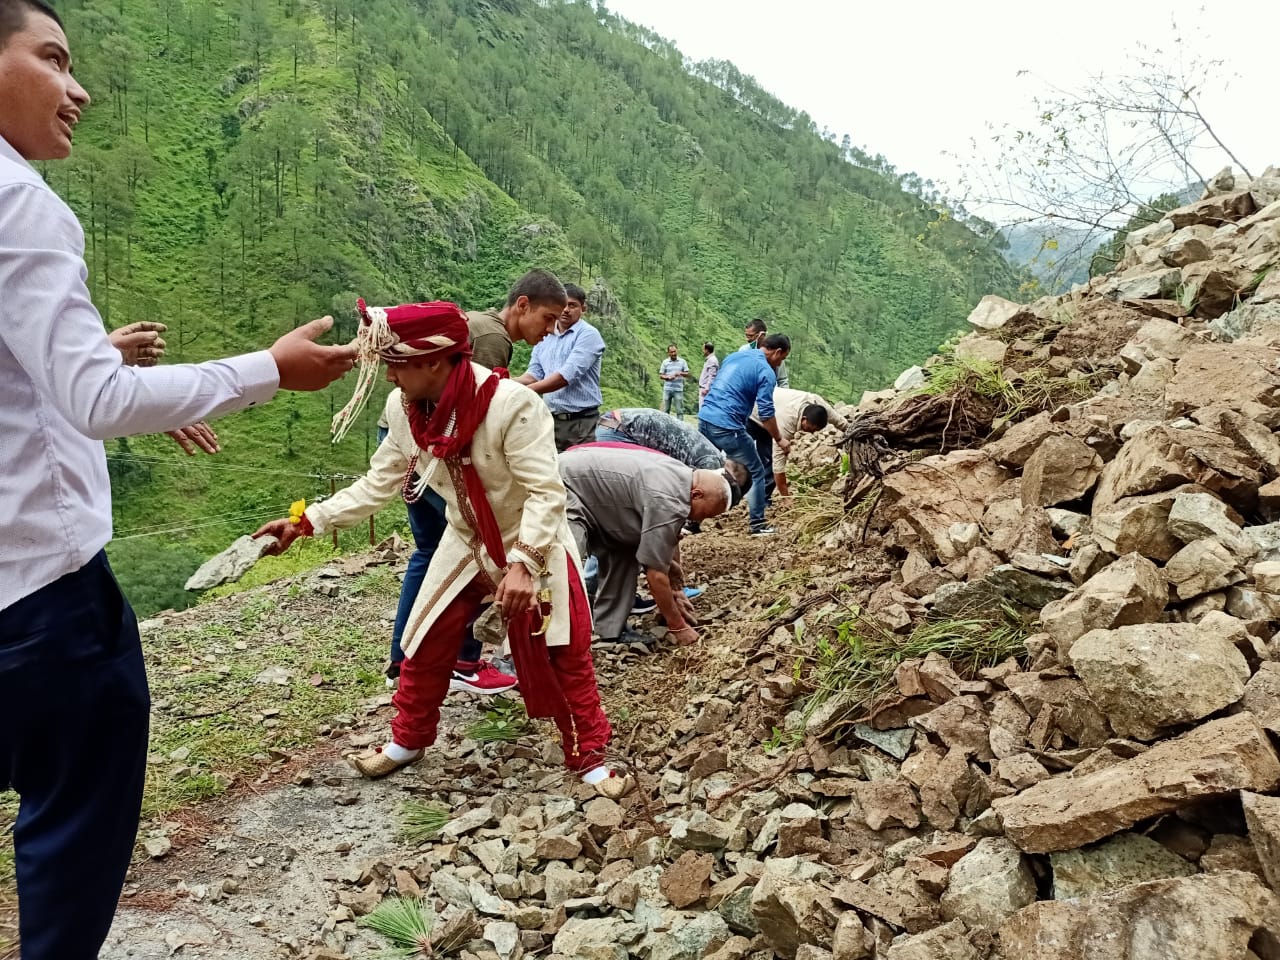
(396, 334)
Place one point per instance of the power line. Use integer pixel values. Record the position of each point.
(187, 464)
(190, 464)
(183, 527)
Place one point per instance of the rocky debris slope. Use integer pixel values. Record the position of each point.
(1031, 710)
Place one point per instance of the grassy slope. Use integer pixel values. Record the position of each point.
(447, 231)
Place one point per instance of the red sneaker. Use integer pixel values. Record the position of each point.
(484, 677)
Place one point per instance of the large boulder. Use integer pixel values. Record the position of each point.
(1213, 286)
(1160, 339)
(1163, 457)
(1241, 376)
(1061, 470)
(981, 349)
(951, 941)
(1144, 285)
(1184, 247)
(1262, 692)
(1204, 566)
(934, 493)
(1218, 758)
(597, 939)
(988, 885)
(1215, 211)
(1129, 591)
(1257, 318)
(1202, 516)
(1123, 860)
(993, 312)
(1151, 676)
(1262, 817)
(1138, 525)
(791, 912)
(1223, 916)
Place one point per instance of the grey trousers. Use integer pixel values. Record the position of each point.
(619, 572)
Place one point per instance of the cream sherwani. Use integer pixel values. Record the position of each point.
(514, 454)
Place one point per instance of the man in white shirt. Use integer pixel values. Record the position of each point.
(73, 691)
(797, 412)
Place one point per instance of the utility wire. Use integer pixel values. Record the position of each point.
(174, 461)
(183, 527)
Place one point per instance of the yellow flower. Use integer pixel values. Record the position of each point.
(296, 510)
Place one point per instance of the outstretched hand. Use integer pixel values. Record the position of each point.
(199, 435)
(307, 365)
(139, 343)
(285, 531)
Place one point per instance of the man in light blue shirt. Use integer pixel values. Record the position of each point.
(565, 369)
(673, 373)
(745, 383)
(74, 705)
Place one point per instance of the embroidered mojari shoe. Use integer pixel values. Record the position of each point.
(375, 764)
(615, 786)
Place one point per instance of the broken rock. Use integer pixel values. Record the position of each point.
(1204, 566)
(1209, 917)
(1065, 813)
(951, 941)
(1151, 676)
(988, 885)
(1262, 816)
(1113, 864)
(1129, 591)
(791, 912)
(1061, 470)
(688, 880)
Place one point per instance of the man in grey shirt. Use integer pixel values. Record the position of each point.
(627, 507)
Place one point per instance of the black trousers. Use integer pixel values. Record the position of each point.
(764, 447)
(74, 710)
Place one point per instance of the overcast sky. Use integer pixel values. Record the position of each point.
(915, 80)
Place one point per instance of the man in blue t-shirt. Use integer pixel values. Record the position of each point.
(745, 383)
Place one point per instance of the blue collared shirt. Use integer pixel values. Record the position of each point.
(745, 382)
(575, 355)
(63, 390)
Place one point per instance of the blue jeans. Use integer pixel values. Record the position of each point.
(610, 435)
(738, 445)
(673, 403)
(74, 710)
(427, 523)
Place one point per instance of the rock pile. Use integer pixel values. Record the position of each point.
(1112, 792)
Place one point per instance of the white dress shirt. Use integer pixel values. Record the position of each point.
(64, 389)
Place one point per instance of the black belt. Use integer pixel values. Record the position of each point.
(577, 414)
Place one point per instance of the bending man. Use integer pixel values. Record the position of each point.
(645, 427)
(797, 412)
(627, 508)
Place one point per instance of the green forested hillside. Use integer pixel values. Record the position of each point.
(250, 164)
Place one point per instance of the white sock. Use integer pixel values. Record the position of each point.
(592, 777)
(398, 753)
